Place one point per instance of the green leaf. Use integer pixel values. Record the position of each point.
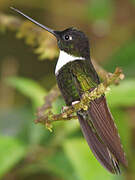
(37, 134)
(59, 165)
(28, 88)
(85, 164)
(102, 9)
(122, 122)
(36, 93)
(11, 152)
(123, 94)
(124, 58)
(133, 1)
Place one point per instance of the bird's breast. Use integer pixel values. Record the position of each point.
(66, 85)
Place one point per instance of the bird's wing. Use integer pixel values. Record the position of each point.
(102, 121)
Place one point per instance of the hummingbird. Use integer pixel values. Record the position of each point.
(75, 74)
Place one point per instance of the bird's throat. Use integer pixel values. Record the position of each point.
(65, 58)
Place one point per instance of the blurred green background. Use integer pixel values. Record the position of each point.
(29, 151)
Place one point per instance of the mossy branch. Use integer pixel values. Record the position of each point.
(47, 117)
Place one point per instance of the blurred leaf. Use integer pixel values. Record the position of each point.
(124, 58)
(84, 162)
(11, 152)
(37, 134)
(56, 164)
(122, 122)
(15, 121)
(133, 1)
(29, 88)
(36, 93)
(123, 94)
(102, 9)
(60, 165)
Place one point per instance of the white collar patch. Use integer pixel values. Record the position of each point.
(65, 58)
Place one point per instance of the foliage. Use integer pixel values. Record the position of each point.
(84, 163)
(99, 10)
(28, 88)
(73, 158)
(12, 151)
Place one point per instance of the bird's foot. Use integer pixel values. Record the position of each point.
(64, 108)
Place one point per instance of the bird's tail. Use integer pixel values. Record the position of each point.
(100, 151)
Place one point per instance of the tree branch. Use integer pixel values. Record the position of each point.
(46, 117)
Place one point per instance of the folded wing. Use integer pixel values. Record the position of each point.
(106, 129)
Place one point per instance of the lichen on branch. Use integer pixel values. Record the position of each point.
(46, 117)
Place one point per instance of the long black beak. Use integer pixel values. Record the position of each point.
(55, 33)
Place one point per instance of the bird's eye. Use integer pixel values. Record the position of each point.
(67, 37)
